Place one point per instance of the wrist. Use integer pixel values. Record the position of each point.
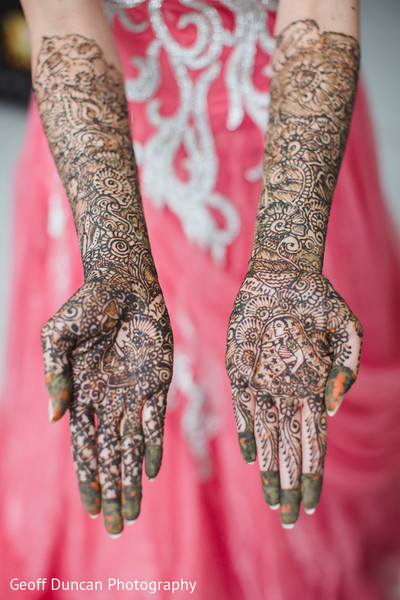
(289, 242)
(272, 263)
(132, 266)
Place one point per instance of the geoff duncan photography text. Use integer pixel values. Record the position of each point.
(115, 584)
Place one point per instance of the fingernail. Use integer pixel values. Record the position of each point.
(130, 522)
(251, 462)
(290, 506)
(311, 485)
(94, 516)
(287, 525)
(270, 488)
(339, 382)
(51, 411)
(332, 412)
(247, 446)
(152, 461)
(115, 535)
(333, 404)
(151, 478)
(90, 494)
(130, 497)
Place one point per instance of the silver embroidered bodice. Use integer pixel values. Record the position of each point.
(195, 200)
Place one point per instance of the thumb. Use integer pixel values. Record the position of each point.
(346, 342)
(57, 342)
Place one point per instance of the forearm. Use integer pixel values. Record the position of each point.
(312, 94)
(81, 100)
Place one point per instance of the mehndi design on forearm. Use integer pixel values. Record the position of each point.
(82, 104)
(312, 94)
(288, 325)
(108, 350)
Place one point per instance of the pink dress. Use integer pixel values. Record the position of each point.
(197, 81)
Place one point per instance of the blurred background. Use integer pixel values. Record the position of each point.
(380, 23)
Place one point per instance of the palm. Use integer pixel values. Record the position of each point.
(285, 329)
(108, 357)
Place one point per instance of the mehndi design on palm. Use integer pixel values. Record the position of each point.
(293, 344)
(286, 328)
(108, 350)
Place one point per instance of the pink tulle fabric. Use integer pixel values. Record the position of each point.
(207, 524)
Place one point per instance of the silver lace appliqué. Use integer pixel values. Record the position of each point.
(195, 201)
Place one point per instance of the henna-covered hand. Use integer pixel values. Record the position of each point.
(108, 350)
(108, 358)
(292, 352)
(293, 344)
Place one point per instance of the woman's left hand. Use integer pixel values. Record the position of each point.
(293, 349)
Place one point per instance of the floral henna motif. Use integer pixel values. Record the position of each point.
(82, 103)
(312, 94)
(286, 330)
(108, 350)
(293, 344)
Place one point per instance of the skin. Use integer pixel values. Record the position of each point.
(293, 344)
(108, 350)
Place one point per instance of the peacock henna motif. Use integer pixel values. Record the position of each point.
(286, 330)
(108, 350)
(293, 344)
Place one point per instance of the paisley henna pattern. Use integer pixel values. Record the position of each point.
(293, 344)
(286, 328)
(108, 350)
(312, 94)
(82, 104)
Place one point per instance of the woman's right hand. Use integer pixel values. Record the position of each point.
(108, 356)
